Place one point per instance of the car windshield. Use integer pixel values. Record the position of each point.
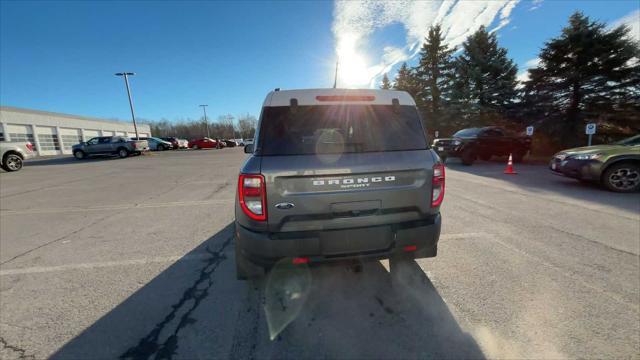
(632, 141)
(339, 129)
(467, 132)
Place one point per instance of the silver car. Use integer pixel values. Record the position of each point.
(12, 154)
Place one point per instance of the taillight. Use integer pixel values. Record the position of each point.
(29, 146)
(134, 145)
(252, 196)
(437, 192)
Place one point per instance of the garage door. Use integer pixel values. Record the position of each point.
(88, 134)
(48, 139)
(70, 137)
(21, 133)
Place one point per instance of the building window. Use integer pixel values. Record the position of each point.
(69, 140)
(48, 142)
(1, 136)
(22, 137)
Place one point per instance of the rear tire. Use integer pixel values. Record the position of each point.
(468, 156)
(12, 162)
(79, 154)
(246, 269)
(622, 177)
(160, 148)
(123, 153)
(195, 147)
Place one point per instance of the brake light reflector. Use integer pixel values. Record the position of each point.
(29, 146)
(437, 183)
(252, 196)
(410, 248)
(345, 97)
(300, 260)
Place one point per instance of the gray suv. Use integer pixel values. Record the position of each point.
(337, 174)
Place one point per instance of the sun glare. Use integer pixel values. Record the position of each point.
(353, 70)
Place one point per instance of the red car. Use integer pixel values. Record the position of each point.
(204, 143)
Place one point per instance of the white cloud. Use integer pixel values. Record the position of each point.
(632, 20)
(523, 75)
(532, 63)
(354, 21)
(535, 4)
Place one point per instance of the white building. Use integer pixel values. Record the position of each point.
(55, 133)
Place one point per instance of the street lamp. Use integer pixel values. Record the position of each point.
(126, 82)
(205, 118)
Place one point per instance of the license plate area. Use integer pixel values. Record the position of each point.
(355, 240)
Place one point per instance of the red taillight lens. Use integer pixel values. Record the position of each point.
(252, 196)
(437, 183)
(300, 260)
(29, 146)
(134, 145)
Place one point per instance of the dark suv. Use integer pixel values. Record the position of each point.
(329, 180)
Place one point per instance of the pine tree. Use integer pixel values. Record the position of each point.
(407, 80)
(485, 77)
(586, 73)
(386, 84)
(435, 71)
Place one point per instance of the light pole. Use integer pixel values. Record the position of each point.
(126, 82)
(204, 108)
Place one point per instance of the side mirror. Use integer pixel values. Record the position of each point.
(248, 149)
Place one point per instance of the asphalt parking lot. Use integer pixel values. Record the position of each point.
(133, 258)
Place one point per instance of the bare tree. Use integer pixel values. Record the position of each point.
(247, 126)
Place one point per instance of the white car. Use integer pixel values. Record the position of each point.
(13, 153)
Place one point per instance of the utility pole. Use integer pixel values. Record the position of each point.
(335, 79)
(126, 82)
(204, 108)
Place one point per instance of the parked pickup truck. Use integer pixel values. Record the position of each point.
(110, 145)
(473, 143)
(12, 154)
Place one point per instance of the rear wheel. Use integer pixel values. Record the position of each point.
(468, 156)
(12, 162)
(622, 177)
(123, 153)
(246, 269)
(79, 154)
(195, 147)
(160, 147)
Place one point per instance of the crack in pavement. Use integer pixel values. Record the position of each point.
(150, 345)
(22, 352)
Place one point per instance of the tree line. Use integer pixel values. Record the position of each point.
(588, 73)
(225, 127)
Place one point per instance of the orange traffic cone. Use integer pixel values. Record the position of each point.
(509, 170)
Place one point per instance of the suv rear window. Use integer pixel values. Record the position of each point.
(330, 129)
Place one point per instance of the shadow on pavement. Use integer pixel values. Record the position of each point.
(538, 178)
(196, 309)
(66, 160)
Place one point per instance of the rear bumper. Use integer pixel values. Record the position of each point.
(377, 242)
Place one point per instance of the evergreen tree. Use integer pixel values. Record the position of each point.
(485, 78)
(435, 70)
(407, 80)
(386, 84)
(586, 73)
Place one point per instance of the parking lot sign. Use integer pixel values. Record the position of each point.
(529, 130)
(590, 130)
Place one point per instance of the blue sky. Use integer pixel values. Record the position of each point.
(61, 56)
